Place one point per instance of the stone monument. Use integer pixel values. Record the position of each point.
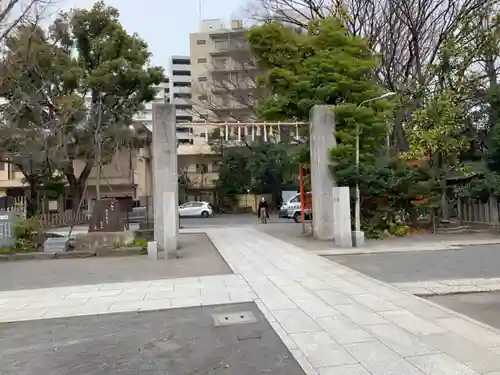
(107, 217)
(342, 216)
(165, 179)
(322, 139)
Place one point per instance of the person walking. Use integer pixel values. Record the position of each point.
(263, 211)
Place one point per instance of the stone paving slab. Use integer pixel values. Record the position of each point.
(334, 320)
(452, 286)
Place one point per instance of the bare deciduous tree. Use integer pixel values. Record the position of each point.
(408, 35)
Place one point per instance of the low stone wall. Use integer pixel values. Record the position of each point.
(103, 240)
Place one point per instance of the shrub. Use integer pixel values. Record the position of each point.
(27, 231)
(140, 242)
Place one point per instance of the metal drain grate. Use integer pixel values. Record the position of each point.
(240, 317)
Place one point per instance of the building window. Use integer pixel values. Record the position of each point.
(2, 166)
(182, 84)
(181, 61)
(183, 106)
(181, 95)
(202, 97)
(201, 41)
(202, 60)
(181, 73)
(183, 118)
(202, 79)
(215, 167)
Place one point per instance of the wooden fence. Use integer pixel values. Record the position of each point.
(479, 211)
(63, 219)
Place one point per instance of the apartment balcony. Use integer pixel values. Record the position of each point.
(226, 49)
(195, 149)
(181, 101)
(239, 88)
(175, 67)
(223, 70)
(181, 79)
(224, 34)
(199, 180)
(181, 90)
(230, 108)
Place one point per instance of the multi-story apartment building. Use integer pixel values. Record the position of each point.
(219, 89)
(180, 95)
(222, 71)
(180, 87)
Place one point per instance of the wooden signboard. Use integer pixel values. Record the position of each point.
(107, 217)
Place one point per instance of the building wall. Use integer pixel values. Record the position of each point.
(119, 177)
(180, 87)
(220, 66)
(180, 95)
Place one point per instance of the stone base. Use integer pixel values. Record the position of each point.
(153, 250)
(358, 238)
(102, 240)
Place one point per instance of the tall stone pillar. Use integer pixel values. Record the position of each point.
(322, 138)
(149, 189)
(165, 179)
(494, 217)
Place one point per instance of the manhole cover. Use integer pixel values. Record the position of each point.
(240, 317)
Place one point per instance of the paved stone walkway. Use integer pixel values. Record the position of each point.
(452, 286)
(333, 319)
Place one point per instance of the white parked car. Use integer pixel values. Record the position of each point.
(195, 209)
(292, 209)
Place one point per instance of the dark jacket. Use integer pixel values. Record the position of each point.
(263, 205)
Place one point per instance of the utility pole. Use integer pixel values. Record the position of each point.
(98, 153)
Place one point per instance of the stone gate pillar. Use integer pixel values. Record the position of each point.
(165, 179)
(322, 139)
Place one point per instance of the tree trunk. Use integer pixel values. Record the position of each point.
(77, 185)
(32, 204)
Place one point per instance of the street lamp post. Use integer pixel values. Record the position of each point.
(359, 236)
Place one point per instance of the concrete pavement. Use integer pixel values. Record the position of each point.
(452, 286)
(198, 257)
(468, 262)
(333, 320)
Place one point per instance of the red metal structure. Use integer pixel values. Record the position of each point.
(305, 197)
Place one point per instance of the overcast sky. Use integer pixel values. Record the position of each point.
(165, 24)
